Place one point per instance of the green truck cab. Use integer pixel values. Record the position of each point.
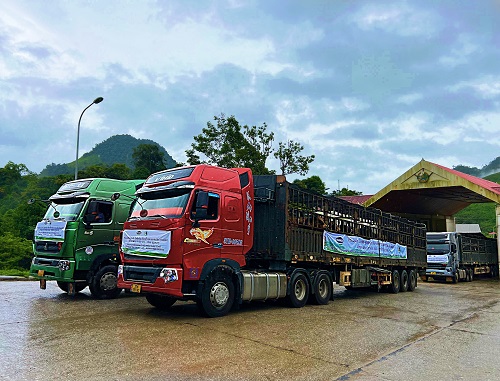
(76, 243)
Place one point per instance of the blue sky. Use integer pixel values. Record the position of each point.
(369, 87)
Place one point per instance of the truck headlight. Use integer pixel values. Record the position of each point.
(169, 275)
(63, 265)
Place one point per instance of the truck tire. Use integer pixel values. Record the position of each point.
(323, 288)
(217, 295)
(396, 282)
(412, 280)
(162, 302)
(468, 275)
(404, 281)
(103, 283)
(299, 291)
(79, 286)
(471, 274)
(456, 278)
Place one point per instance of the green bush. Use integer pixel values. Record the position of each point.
(15, 252)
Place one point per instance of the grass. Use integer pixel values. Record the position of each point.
(14, 272)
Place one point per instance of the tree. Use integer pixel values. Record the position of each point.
(119, 171)
(225, 145)
(290, 160)
(15, 252)
(147, 159)
(313, 183)
(346, 192)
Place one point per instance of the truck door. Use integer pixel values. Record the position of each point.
(96, 233)
(232, 226)
(203, 234)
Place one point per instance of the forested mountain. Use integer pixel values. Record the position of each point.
(117, 149)
(484, 172)
(482, 214)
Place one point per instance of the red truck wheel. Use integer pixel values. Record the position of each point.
(299, 291)
(217, 296)
(323, 289)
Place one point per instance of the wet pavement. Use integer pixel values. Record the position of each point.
(440, 331)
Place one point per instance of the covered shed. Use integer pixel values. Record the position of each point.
(433, 194)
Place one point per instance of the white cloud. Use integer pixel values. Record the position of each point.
(486, 87)
(398, 18)
(460, 54)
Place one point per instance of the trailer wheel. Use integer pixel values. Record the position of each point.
(396, 282)
(103, 283)
(299, 291)
(323, 289)
(412, 280)
(404, 281)
(162, 302)
(468, 275)
(64, 286)
(217, 295)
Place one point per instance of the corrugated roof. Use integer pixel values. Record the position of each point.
(356, 199)
(430, 189)
(487, 184)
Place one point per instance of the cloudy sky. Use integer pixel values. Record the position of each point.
(369, 87)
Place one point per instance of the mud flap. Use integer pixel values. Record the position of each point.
(71, 289)
(43, 284)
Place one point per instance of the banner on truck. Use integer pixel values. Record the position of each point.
(357, 246)
(50, 231)
(149, 243)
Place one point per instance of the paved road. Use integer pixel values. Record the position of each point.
(438, 332)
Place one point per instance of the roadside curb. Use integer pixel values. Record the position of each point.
(13, 278)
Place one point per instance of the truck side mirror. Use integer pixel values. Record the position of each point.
(115, 196)
(87, 221)
(453, 248)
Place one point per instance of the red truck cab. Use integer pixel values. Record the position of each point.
(186, 225)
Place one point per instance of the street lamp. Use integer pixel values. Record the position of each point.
(96, 101)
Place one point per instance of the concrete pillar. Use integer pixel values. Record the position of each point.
(497, 219)
(451, 226)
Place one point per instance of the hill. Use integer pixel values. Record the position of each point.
(482, 214)
(116, 149)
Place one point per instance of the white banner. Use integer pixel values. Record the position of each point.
(50, 231)
(149, 243)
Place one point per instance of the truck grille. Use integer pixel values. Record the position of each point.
(438, 266)
(47, 247)
(46, 262)
(141, 274)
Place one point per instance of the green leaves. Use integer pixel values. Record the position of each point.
(228, 144)
(290, 160)
(148, 159)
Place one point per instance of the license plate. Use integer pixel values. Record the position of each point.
(41, 272)
(136, 288)
(433, 273)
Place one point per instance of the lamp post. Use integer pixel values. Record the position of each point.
(96, 101)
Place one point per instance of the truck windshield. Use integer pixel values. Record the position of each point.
(68, 212)
(438, 248)
(170, 203)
